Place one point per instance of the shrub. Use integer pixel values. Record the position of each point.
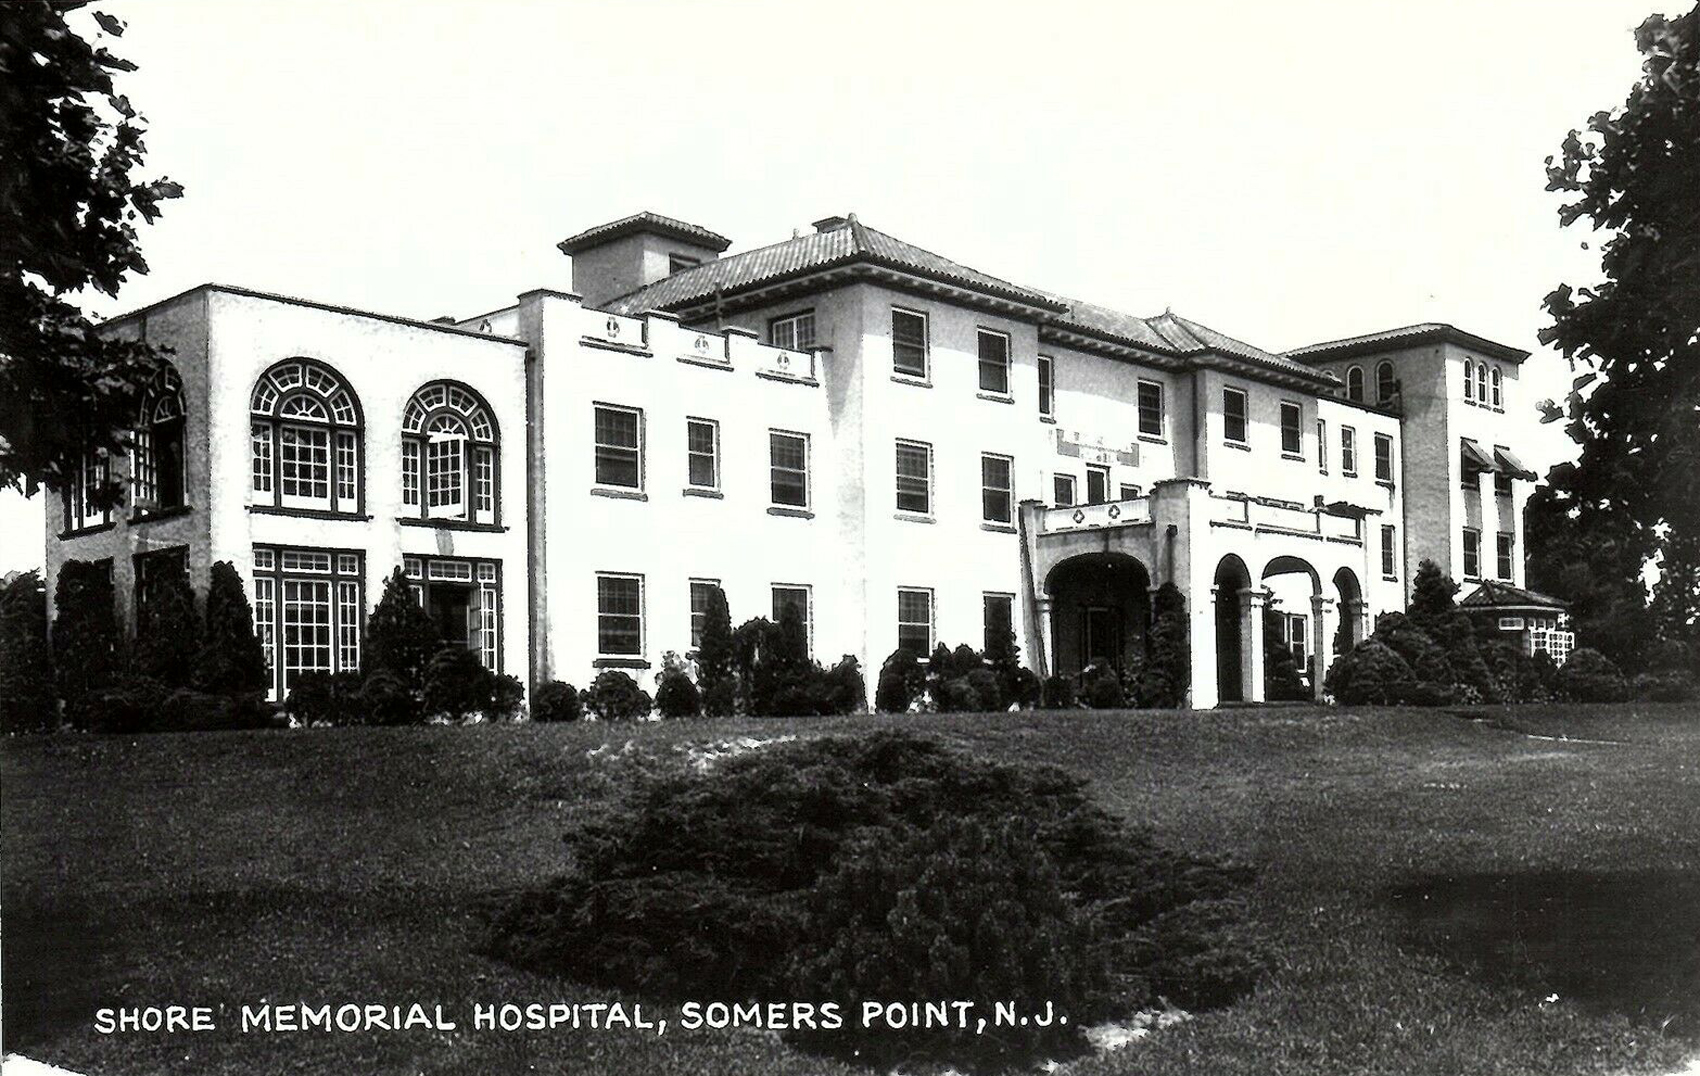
(231, 658)
(1369, 674)
(720, 698)
(1590, 676)
(556, 701)
(321, 698)
(1470, 669)
(1432, 606)
(456, 683)
(1058, 693)
(1432, 676)
(168, 630)
(1518, 674)
(147, 706)
(675, 694)
(1166, 673)
(1022, 687)
(85, 631)
(777, 873)
(28, 702)
(507, 696)
(136, 707)
(385, 700)
(400, 637)
(987, 686)
(614, 696)
(956, 696)
(901, 679)
(1102, 688)
(1668, 686)
(847, 690)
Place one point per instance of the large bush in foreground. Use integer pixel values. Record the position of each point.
(1590, 676)
(28, 702)
(756, 880)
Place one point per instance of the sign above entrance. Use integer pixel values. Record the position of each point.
(1096, 450)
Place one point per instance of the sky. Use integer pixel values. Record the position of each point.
(1285, 173)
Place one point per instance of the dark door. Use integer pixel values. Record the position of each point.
(451, 607)
(1102, 637)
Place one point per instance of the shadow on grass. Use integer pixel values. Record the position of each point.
(1625, 943)
(57, 968)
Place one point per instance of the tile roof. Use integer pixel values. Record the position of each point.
(853, 242)
(1408, 336)
(645, 222)
(1492, 595)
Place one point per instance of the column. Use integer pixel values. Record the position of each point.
(1047, 656)
(1324, 623)
(1252, 602)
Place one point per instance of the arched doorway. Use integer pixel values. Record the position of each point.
(1231, 578)
(1100, 610)
(1350, 596)
(1291, 629)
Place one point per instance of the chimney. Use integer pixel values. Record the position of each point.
(832, 224)
(622, 256)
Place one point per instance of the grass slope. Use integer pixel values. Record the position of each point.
(348, 865)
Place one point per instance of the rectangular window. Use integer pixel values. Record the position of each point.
(1503, 555)
(489, 617)
(1383, 458)
(1062, 490)
(1472, 553)
(799, 597)
(409, 472)
(1389, 557)
(1047, 386)
(1128, 492)
(619, 447)
(1348, 452)
(347, 472)
(484, 484)
(1233, 415)
(265, 615)
(914, 477)
(260, 437)
(304, 466)
(788, 468)
(1097, 484)
(793, 332)
(144, 467)
(1322, 446)
(997, 488)
(81, 511)
(309, 608)
(702, 453)
(306, 629)
(1150, 409)
(680, 262)
(348, 624)
(619, 615)
(994, 362)
(1501, 484)
(1298, 639)
(700, 591)
(998, 612)
(445, 476)
(1292, 429)
(908, 343)
(915, 620)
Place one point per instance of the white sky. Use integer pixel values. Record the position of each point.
(1283, 172)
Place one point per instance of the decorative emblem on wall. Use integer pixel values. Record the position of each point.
(1115, 511)
(701, 342)
(1079, 516)
(613, 329)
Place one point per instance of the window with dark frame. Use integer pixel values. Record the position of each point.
(1348, 451)
(304, 439)
(1385, 384)
(793, 332)
(1128, 492)
(463, 598)
(998, 616)
(702, 453)
(1150, 409)
(1097, 484)
(679, 262)
(1383, 458)
(1472, 553)
(1322, 445)
(1062, 490)
(914, 477)
(788, 595)
(619, 615)
(309, 610)
(1234, 415)
(84, 502)
(994, 362)
(619, 447)
(1503, 549)
(157, 449)
(915, 620)
(448, 454)
(1502, 484)
(788, 468)
(1389, 557)
(701, 589)
(997, 488)
(908, 343)
(1498, 387)
(1292, 428)
(1355, 384)
(1047, 386)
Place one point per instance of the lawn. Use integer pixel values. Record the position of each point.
(1519, 894)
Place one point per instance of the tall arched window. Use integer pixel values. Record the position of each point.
(156, 449)
(1498, 388)
(448, 454)
(1469, 380)
(1481, 382)
(1385, 386)
(305, 439)
(1355, 384)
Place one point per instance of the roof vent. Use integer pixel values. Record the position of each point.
(831, 224)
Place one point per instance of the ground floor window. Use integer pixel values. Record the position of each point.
(151, 567)
(801, 598)
(999, 615)
(700, 591)
(464, 599)
(915, 620)
(309, 611)
(619, 615)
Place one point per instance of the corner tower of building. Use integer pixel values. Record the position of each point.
(621, 256)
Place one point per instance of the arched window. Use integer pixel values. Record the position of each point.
(1385, 386)
(156, 449)
(1498, 388)
(1469, 380)
(1482, 383)
(448, 454)
(304, 431)
(1355, 384)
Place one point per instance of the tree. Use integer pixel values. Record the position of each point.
(1676, 596)
(400, 637)
(1432, 592)
(68, 212)
(715, 658)
(168, 631)
(85, 631)
(1635, 410)
(27, 699)
(1592, 556)
(231, 660)
(1167, 672)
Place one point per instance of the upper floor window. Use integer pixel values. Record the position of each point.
(908, 343)
(997, 488)
(1482, 383)
(1047, 387)
(1502, 552)
(1472, 553)
(1151, 409)
(1385, 385)
(1501, 484)
(1469, 381)
(448, 454)
(1383, 458)
(1062, 490)
(1097, 484)
(788, 468)
(1355, 384)
(793, 332)
(157, 448)
(1233, 415)
(619, 447)
(994, 362)
(914, 477)
(88, 500)
(1389, 552)
(1348, 451)
(1292, 429)
(1322, 446)
(702, 453)
(304, 439)
(1498, 387)
(680, 262)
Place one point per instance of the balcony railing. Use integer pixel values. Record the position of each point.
(615, 329)
(1089, 516)
(1294, 519)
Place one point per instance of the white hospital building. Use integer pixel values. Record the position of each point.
(912, 450)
